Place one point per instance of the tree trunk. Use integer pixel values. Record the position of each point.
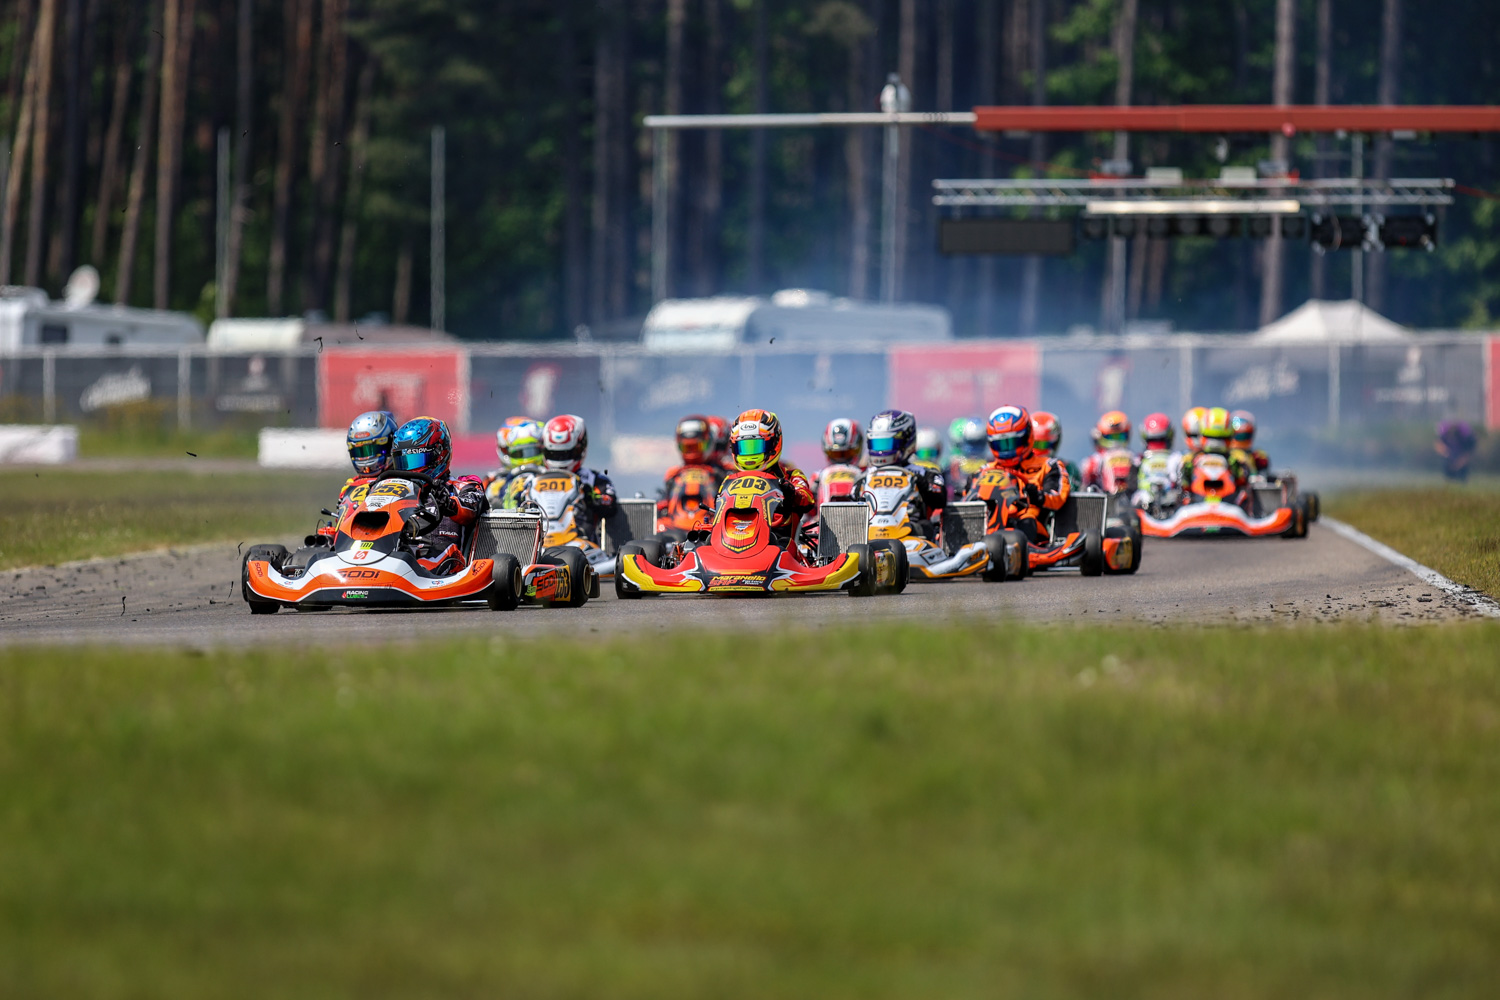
(20, 60)
(358, 139)
(599, 214)
(299, 55)
(1322, 85)
(855, 161)
(987, 31)
(622, 196)
(401, 295)
(906, 66)
(46, 28)
(330, 173)
(575, 260)
(709, 187)
(755, 242)
(1031, 270)
(17, 174)
(1114, 277)
(1390, 69)
(177, 27)
(1271, 292)
(244, 71)
(672, 141)
(75, 97)
(145, 139)
(109, 171)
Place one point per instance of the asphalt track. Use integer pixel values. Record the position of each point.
(191, 597)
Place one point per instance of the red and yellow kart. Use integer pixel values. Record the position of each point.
(372, 561)
(1215, 504)
(1088, 532)
(742, 555)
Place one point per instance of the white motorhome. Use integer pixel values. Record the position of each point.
(29, 319)
(793, 318)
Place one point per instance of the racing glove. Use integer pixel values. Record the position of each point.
(1033, 495)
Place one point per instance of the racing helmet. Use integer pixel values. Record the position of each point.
(718, 429)
(893, 437)
(1046, 433)
(503, 435)
(966, 437)
(1216, 432)
(524, 446)
(1009, 433)
(843, 441)
(1113, 430)
(929, 445)
(1192, 425)
(694, 439)
(1242, 428)
(369, 440)
(565, 441)
(755, 440)
(1157, 431)
(423, 445)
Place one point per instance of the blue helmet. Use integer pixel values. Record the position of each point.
(423, 445)
(369, 440)
(892, 437)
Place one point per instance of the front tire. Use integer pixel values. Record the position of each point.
(864, 586)
(276, 555)
(1092, 563)
(903, 562)
(505, 589)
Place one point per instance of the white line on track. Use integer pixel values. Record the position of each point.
(1478, 601)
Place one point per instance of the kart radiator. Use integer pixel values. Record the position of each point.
(1267, 500)
(840, 525)
(509, 531)
(963, 523)
(637, 519)
(1090, 510)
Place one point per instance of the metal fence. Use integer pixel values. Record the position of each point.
(632, 398)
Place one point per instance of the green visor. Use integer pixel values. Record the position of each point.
(749, 447)
(521, 454)
(373, 448)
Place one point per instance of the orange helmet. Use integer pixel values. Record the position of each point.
(1009, 434)
(1242, 426)
(1112, 430)
(755, 440)
(1046, 432)
(1216, 431)
(1192, 425)
(694, 439)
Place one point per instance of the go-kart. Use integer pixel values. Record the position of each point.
(1093, 531)
(373, 560)
(743, 555)
(692, 490)
(557, 495)
(891, 493)
(1212, 503)
(836, 483)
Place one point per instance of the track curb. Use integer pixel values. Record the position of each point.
(1480, 602)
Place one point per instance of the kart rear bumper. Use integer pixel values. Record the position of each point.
(1202, 519)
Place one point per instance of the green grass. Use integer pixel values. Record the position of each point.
(885, 812)
(1453, 529)
(95, 441)
(52, 516)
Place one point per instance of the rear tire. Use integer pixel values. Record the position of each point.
(1092, 563)
(276, 555)
(1314, 506)
(864, 586)
(1137, 542)
(577, 565)
(903, 562)
(505, 590)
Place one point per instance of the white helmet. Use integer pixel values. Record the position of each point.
(566, 441)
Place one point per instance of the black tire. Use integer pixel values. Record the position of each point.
(1092, 563)
(1137, 543)
(864, 586)
(650, 548)
(1118, 534)
(999, 568)
(276, 555)
(903, 562)
(1314, 506)
(505, 590)
(624, 589)
(577, 565)
(1299, 520)
(678, 535)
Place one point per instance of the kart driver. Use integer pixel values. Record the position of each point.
(969, 451)
(369, 441)
(1158, 464)
(1192, 428)
(695, 444)
(523, 459)
(893, 444)
(719, 431)
(1043, 480)
(1242, 441)
(755, 441)
(929, 453)
(1046, 439)
(843, 444)
(565, 441)
(424, 445)
(1214, 436)
(1111, 432)
(502, 447)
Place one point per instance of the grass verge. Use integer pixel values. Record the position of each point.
(52, 516)
(1453, 529)
(1120, 813)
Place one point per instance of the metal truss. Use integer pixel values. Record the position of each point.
(1192, 195)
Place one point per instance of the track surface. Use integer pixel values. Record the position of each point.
(191, 597)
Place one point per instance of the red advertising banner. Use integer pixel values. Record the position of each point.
(431, 383)
(941, 383)
(1492, 383)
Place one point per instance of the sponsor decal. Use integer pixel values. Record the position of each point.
(432, 382)
(890, 481)
(114, 389)
(360, 574)
(549, 484)
(548, 583)
(356, 595)
(391, 488)
(738, 581)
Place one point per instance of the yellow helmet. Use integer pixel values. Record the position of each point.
(1192, 425)
(755, 440)
(1216, 431)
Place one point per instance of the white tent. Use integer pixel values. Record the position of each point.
(1347, 322)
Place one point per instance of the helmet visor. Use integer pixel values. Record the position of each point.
(1042, 445)
(412, 461)
(885, 445)
(373, 448)
(522, 454)
(749, 448)
(928, 454)
(1007, 445)
(1117, 440)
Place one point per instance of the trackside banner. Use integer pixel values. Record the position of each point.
(941, 383)
(1492, 383)
(409, 383)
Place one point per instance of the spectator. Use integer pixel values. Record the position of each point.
(1456, 443)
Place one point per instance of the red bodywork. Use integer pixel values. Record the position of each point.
(693, 490)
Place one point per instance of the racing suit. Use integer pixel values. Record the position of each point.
(1092, 472)
(1237, 468)
(670, 479)
(932, 490)
(600, 504)
(458, 504)
(1156, 470)
(665, 513)
(352, 492)
(1044, 486)
(1253, 459)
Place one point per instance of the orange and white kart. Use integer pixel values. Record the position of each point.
(836, 483)
(742, 555)
(372, 561)
(1213, 503)
(1091, 532)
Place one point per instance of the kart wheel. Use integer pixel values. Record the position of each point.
(505, 589)
(1137, 540)
(1298, 528)
(1116, 534)
(998, 569)
(651, 549)
(903, 562)
(1092, 563)
(864, 585)
(678, 535)
(1314, 506)
(275, 555)
(646, 548)
(577, 565)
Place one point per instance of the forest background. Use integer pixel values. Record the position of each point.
(112, 110)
